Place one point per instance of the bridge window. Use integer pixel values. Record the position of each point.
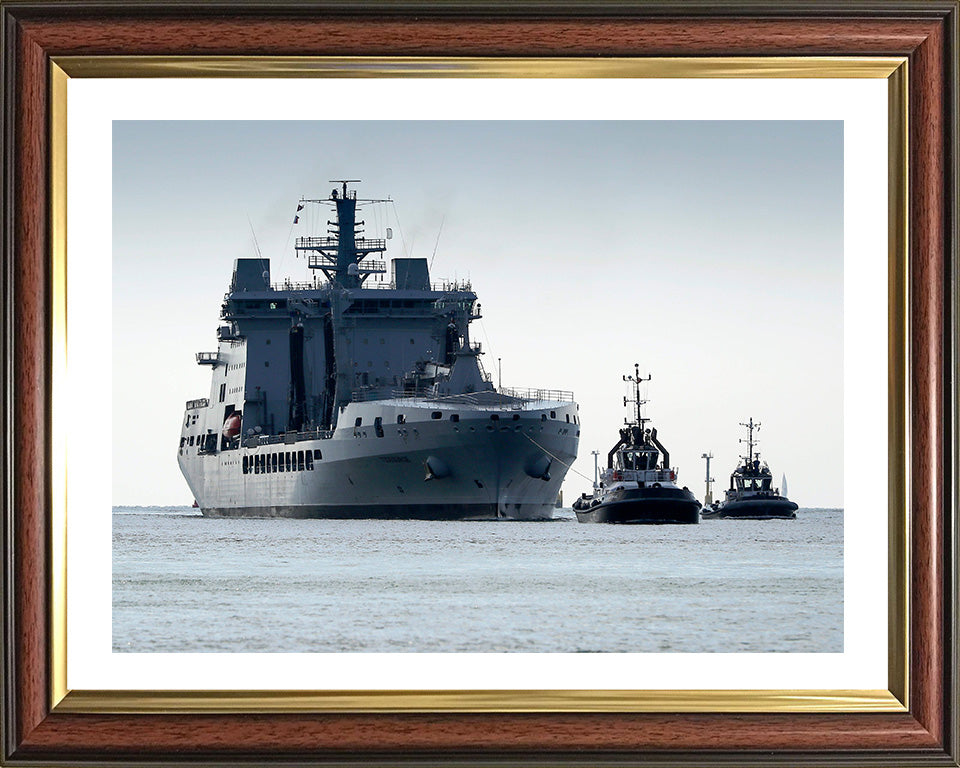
(436, 415)
(358, 422)
(309, 463)
(273, 461)
(244, 465)
(553, 414)
(299, 461)
(568, 418)
(316, 454)
(401, 418)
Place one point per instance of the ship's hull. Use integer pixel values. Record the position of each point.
(757, 509)
(426, 468)
(426, 511)
(643, 506)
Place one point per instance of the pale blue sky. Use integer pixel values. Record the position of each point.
(709, 252)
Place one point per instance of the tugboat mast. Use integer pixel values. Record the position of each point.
(636, 395)
(750, 441)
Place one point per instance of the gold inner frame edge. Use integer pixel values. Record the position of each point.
(894, 69)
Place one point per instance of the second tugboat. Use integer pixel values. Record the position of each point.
(637, 486)
(751, 494)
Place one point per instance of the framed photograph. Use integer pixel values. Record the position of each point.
(785, 174)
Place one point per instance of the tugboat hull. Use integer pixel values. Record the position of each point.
(642, 506)
(759, 509)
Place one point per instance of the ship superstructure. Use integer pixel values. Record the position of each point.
(347, 398)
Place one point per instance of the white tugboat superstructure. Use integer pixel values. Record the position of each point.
(335, 399)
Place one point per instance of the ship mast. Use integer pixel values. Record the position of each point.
(340, 255)
(635, 379)
(750, 441)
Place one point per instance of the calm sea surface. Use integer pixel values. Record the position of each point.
(182, 582)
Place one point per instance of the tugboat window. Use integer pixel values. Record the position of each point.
(309, 460)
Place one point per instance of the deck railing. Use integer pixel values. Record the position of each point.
(484, 399)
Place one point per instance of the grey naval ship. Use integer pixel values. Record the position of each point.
(342, 399)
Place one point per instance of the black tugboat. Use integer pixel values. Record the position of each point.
(637, 486)
(751, 495)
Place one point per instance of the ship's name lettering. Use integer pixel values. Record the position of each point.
(395, 459)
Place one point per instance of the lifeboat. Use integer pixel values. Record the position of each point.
(231, 427)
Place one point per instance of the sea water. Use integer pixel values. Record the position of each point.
(186, 583)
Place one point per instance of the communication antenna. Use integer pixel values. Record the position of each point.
(255, 243)
(438, 241)
(257, 246)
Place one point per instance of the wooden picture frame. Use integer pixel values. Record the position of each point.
(41, 725)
